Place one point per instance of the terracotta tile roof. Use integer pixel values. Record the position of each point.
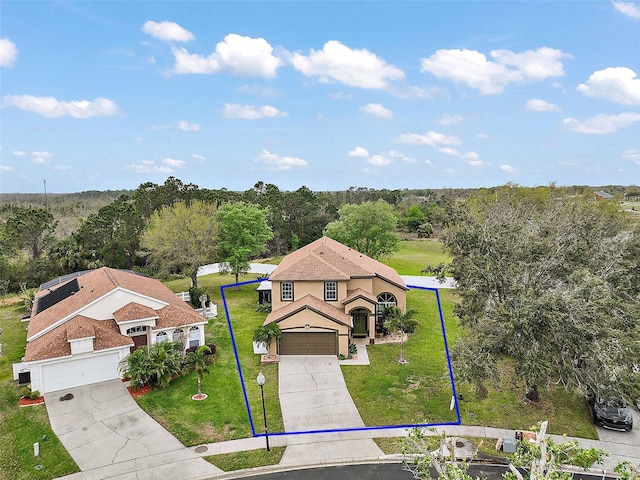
(95, 284)
(359, 293)
(172, 316)
(326, 259)
(311, 303)
(56, 343)
(134, 311)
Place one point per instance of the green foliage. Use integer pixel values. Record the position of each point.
(263, 307)
(153, 366)
(30, 228)
(31, 395)
(552, 282)
(194, 295)
(414, 217)
(267, 333)
(182, 238)
(251, 459)
(627, 471)
(353, 349)
(424, 230)
(244, 233)
(368, 228)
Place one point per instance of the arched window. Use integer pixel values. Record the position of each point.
(386, 300)
(136, 330)
(161, 337)
(194, 337)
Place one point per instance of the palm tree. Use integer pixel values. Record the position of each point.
(200, 364)
(395, 320)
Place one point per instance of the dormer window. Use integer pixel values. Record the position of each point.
(330, 291)
(286, 291)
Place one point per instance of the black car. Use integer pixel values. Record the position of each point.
(611, 412)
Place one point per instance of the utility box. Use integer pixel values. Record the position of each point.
(509, 444)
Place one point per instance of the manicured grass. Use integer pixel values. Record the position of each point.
(415, 255)
(223, 415)
(20, 428)
(389, 393)
(241, 460)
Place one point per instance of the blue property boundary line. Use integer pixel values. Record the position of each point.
(382, 427)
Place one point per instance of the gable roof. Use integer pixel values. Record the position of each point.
(309, 302)
(105, 333)
(327, 259)
(94, 285)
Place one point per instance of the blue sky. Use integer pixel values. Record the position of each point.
(333, 94)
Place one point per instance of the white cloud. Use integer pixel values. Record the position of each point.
(632, 154)
(505, 167)
(476, 163)
(242, 56)
(627, 8)
(18, 153)
(540, 105)
(188, 127)
(359, 152)
(378, 160)
(482, 136)
(167, 31)
(430, 138)
(393, 154)
(616, 84)
(40, 158)
(376, 110)
(148, 166)
(6, 168)
(449, 151)
(472, 68)
(275, 162)
(52, 107)
(449, 119)
(601, 123)
(250, 112)
(8, 52)
(353, 67)
(198, 157)
(61, 168)
(150, 60)
(172, 162)
(258, 90)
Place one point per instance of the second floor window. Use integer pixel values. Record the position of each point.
(286, 291)
(330, 291)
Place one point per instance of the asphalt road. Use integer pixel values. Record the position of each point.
(388, 471)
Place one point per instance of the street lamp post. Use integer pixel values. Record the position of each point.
(261, 379)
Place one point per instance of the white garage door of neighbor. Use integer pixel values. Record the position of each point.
(80, 371)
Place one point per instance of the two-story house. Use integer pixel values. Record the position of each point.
(325, 294)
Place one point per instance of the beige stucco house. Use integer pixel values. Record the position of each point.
(325, 294)
(82, 325)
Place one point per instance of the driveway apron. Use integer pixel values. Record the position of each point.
(110, 436)
(314, 396)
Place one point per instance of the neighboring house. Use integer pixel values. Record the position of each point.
(602, 195)
(325, 294)
(82, 326)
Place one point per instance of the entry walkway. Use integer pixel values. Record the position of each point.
(110, 437)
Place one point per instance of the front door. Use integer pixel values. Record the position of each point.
(139, 341)
(360, 323)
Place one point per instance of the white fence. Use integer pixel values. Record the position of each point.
(210, 312)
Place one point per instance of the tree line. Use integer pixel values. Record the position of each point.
(34, 248)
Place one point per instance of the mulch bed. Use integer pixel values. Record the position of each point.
(28, 402)
(137, 392)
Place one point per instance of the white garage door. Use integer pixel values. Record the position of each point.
(79, 371)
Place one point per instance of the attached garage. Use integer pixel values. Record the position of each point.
(309, 343)
(79, 371)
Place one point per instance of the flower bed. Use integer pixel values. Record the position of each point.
(30, 402)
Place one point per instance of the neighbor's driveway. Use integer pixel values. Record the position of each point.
(110, 436)
(314, 396)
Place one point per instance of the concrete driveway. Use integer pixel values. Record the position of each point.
(313, 396)
(110, 436)
(623, 446)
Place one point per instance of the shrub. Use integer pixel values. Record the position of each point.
(267, 333)
(154, 366)
(194, 294)
(263, 307)
(353, 349)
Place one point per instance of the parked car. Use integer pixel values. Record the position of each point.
(610, 411)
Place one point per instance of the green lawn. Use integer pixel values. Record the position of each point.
(386, 392)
